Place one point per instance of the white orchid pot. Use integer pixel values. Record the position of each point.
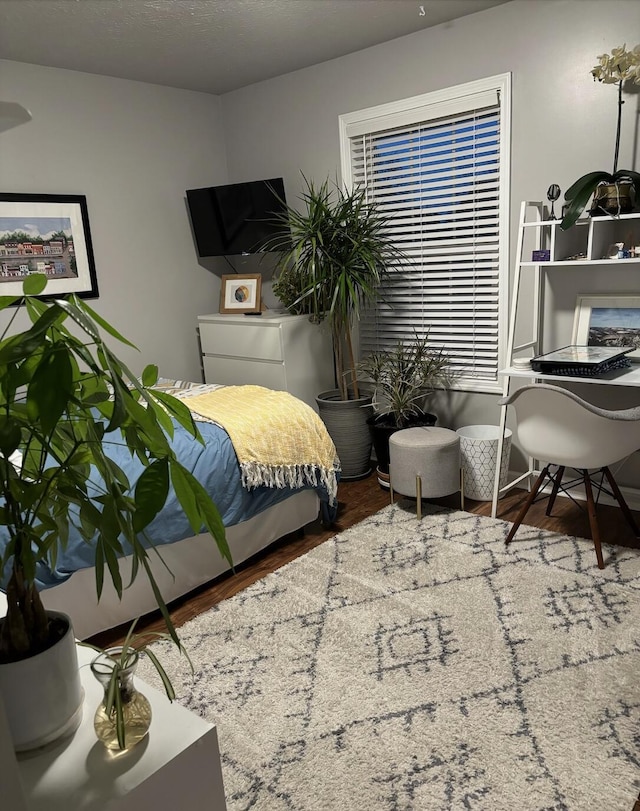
(43, 695)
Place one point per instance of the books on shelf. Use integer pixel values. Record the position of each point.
(582, 361)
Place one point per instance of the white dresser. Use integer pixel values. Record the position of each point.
(284, 352)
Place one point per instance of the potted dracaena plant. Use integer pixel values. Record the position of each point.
(614, 192)
(337, 251)
(403, 378)
(65, 397)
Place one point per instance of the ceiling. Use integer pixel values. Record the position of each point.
(214, 46)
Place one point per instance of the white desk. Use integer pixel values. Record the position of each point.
(176, 767)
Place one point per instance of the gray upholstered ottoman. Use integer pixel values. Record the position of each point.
(425, 463)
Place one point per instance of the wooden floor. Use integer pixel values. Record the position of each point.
(359, 499)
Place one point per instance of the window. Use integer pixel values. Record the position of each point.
(437, 165)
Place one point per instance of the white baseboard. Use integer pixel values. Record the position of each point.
(631, 494)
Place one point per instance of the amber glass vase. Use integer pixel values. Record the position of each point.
(136, 710)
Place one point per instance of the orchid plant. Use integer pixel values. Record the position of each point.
(616, 68)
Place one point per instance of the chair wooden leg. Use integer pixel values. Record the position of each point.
(525, 507)
(557, 481)
(419, 497)
(593, 520)
(621, 501)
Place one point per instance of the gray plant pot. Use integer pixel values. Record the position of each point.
(346, 422)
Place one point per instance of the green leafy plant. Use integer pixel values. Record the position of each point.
(403, 378)
(64, 398)
(340, 250)
(615, 68)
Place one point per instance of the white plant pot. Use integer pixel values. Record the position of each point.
(43, 695)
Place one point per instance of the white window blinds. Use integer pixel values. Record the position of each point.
(436, 172)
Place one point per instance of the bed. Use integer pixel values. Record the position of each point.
(258, 503)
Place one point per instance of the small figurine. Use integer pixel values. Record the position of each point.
(553, 192)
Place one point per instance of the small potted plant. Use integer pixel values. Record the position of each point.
(617, 191)
(64, 399)
(331, 264)
(403, 378)
(123, 716)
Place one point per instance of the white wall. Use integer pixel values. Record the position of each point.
(563, 122)
(132, 149)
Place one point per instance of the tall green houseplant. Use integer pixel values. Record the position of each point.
(64, 397)
(339, 253)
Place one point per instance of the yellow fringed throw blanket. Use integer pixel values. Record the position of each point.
(292, 447)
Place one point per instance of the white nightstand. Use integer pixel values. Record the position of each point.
(284, 352)
(177, 766)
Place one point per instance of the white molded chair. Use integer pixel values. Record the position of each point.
(563, 430)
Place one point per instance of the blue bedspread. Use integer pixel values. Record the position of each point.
(215, 465)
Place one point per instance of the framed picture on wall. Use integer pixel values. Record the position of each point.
(241, 293)
(48, 234)
(608, 320)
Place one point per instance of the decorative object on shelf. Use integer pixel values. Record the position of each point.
(616, 251)
(541, 255)
(339, 253)
(553, 192)
(402, 379)
(608, 320)
(240, 293)
(614, 192)
(48, 234)
(64, 390)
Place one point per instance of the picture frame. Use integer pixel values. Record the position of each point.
(241, 293)
(611, 320)
(49, 234)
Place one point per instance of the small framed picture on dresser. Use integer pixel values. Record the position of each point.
(241, 293)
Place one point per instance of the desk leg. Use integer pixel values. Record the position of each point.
(496, 475)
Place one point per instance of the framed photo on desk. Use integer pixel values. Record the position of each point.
(611, 320)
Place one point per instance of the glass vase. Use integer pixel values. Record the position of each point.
(136, 710)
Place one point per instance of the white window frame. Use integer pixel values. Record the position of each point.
(433, 105)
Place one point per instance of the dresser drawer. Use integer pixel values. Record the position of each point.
(238, 372)
(261, 342)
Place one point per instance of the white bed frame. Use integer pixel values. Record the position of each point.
(191, 563)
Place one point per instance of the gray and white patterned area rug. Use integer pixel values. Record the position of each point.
(406, 666)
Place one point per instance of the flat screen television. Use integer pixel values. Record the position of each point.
(237, 218)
